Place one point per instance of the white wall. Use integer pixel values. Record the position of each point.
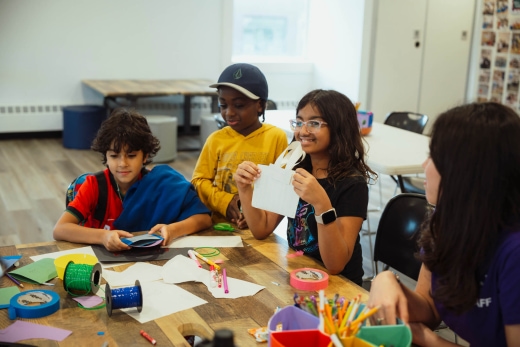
(48, 47)
(335, 42)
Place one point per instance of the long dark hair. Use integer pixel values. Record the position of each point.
(347, 154)
(126, 128)
(476, 150)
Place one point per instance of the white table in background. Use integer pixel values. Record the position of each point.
(389, 150)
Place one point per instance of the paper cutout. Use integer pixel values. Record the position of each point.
(21, 330)
(160, 299)
(6, 294)
(207, 241)
(274, 191)
(144, 272)
(182, 269)
(145, 240)
(88, 301)
(11, 260)
(38, 272)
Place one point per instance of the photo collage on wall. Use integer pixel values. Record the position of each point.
(499, 73)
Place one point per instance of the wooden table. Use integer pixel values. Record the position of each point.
(263, 262)
(132, 90)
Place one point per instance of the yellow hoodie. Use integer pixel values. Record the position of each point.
(223, 151)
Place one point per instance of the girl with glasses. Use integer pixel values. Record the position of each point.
(331, 182)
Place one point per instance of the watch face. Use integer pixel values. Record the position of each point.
(328, 217)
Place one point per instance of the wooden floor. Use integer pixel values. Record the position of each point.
(34, 174)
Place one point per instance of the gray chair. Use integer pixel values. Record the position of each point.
(415, 122)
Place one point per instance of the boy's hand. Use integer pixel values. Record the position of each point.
(165, 234)
(233, 213)
(112, 240)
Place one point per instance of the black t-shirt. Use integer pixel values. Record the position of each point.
(350, 199)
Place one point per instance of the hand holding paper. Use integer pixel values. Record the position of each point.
(273, 191)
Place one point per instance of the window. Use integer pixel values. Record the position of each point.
(270, 30)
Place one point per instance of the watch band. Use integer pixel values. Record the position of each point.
(326, 217)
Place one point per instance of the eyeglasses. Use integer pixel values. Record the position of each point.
(311, 125)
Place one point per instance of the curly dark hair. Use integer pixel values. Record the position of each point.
(476, 150)
(126, 128)
(347, 153)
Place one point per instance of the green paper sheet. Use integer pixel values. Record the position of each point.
(36, 273)
(6, 294)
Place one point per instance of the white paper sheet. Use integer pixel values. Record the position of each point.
(144, 272)
(161, 299)
(207, 241)
(182, 269)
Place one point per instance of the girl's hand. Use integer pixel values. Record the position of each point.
(387, 293)
(112, 240)
(247, 172)
(308, 188)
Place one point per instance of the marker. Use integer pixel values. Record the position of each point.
(219, 277)
(212, 276)
(148, 337)
(14, 280)
(224, 281)
(204, 259)
(194, 258)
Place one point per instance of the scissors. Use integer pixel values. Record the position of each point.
(223, 226)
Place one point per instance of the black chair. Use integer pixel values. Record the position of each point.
(415, 122)
(397, 233)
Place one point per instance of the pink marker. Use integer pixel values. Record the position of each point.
(224, 281)
(194, 258)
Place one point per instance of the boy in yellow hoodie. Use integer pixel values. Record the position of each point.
(242, 94)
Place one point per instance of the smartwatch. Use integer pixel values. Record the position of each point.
(326, 217)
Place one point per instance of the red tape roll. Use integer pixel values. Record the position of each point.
(309, 279)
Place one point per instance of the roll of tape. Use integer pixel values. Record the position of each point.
(33, 304)
(309, 279)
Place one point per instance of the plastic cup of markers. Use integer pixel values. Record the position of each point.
(291, 318)
(297, 338)
(398, 335)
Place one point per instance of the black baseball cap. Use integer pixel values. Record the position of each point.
(246, 78)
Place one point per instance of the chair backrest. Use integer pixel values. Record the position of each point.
(270, 105)
(220, 121)
(397, 233)
(407, 120)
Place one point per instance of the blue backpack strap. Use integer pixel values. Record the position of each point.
(101, 207)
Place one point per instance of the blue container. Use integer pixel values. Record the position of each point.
(81, 124)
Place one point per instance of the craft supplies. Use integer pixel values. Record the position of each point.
(206, 260)
(148, 337)
(212, 276)
(81, 278)
(194, 258)
(124, 297)
(78, 258)
(309, 279)
(33, 304)
(224, 281)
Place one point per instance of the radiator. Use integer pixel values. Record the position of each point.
(39, 118)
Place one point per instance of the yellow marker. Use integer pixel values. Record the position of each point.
(207, 261)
